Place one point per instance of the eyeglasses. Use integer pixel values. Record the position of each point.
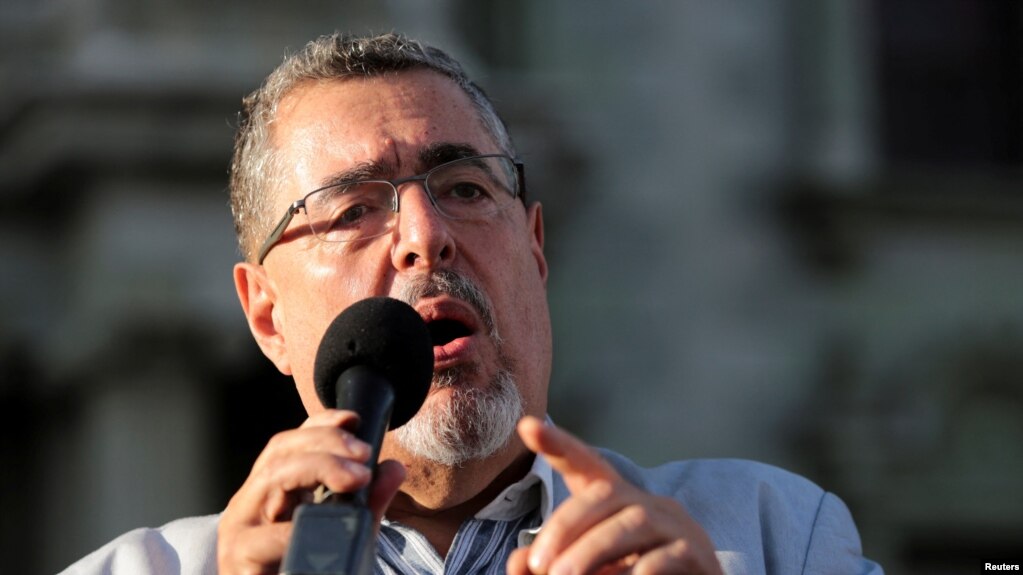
(466, 189)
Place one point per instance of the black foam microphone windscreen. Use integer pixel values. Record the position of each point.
(386, 335)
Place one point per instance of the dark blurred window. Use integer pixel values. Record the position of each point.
(950, 81)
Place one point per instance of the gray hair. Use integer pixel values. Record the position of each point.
(255, 167)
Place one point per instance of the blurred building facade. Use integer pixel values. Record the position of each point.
(782, 230)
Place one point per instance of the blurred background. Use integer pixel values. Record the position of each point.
(785, 230)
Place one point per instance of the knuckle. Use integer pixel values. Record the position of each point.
(683, 554)
(276, 441)
(341, 473)
(658, 568)
(680, 549)
(264, 475)
(600, 491)
(636, 517)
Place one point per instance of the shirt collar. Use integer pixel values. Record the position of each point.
(524, 495)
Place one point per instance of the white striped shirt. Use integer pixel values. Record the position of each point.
(483, 543)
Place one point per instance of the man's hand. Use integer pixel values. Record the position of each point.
(608, 525)
(256, 526)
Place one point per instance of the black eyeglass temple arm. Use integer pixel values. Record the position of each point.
(282, 225)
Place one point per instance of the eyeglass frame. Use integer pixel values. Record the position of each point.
(282, 225)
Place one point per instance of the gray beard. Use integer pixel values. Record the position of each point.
(473, 424)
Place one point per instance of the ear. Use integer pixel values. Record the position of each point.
(258, 297)
(535, 220)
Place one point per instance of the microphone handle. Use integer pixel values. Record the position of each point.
(337, 536)
(365, 391)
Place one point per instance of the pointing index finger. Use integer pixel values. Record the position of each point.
(576, 461)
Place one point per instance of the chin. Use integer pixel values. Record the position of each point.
(464, 423)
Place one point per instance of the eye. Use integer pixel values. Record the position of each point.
(351, 215)
(354, 209)
(466, 191)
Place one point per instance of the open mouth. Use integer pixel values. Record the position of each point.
(444, 331)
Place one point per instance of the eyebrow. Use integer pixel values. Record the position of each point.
(444, 152)
(429, 157)
(370, 170)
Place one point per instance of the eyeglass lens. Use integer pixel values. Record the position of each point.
(467, 189)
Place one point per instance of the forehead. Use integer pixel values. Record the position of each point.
(326, 126)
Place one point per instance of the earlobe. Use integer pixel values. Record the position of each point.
(258, 297)
(535, 214)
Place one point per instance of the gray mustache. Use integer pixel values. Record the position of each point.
(450, 283)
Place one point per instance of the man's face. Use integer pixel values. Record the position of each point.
(393, 125)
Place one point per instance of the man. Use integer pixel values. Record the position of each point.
(368, 167)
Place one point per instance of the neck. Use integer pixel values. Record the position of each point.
(436, 499)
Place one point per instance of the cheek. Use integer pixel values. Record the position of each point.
(311, 296)
(333, 276)
(520, 286)
(317, 287)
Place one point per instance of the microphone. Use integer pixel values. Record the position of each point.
(376, 358)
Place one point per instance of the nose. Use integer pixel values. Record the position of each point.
(424, 238)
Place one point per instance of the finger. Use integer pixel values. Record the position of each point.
(516, 564)
(328, 438)
(331, 418)
(308, 470)
(389, 477)
(623, 565)
(658, 527)
(255, 550)
(270, 493)
(300, 459)
(678, 557)
(631, 530)
(577, 462)
(599, 501)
